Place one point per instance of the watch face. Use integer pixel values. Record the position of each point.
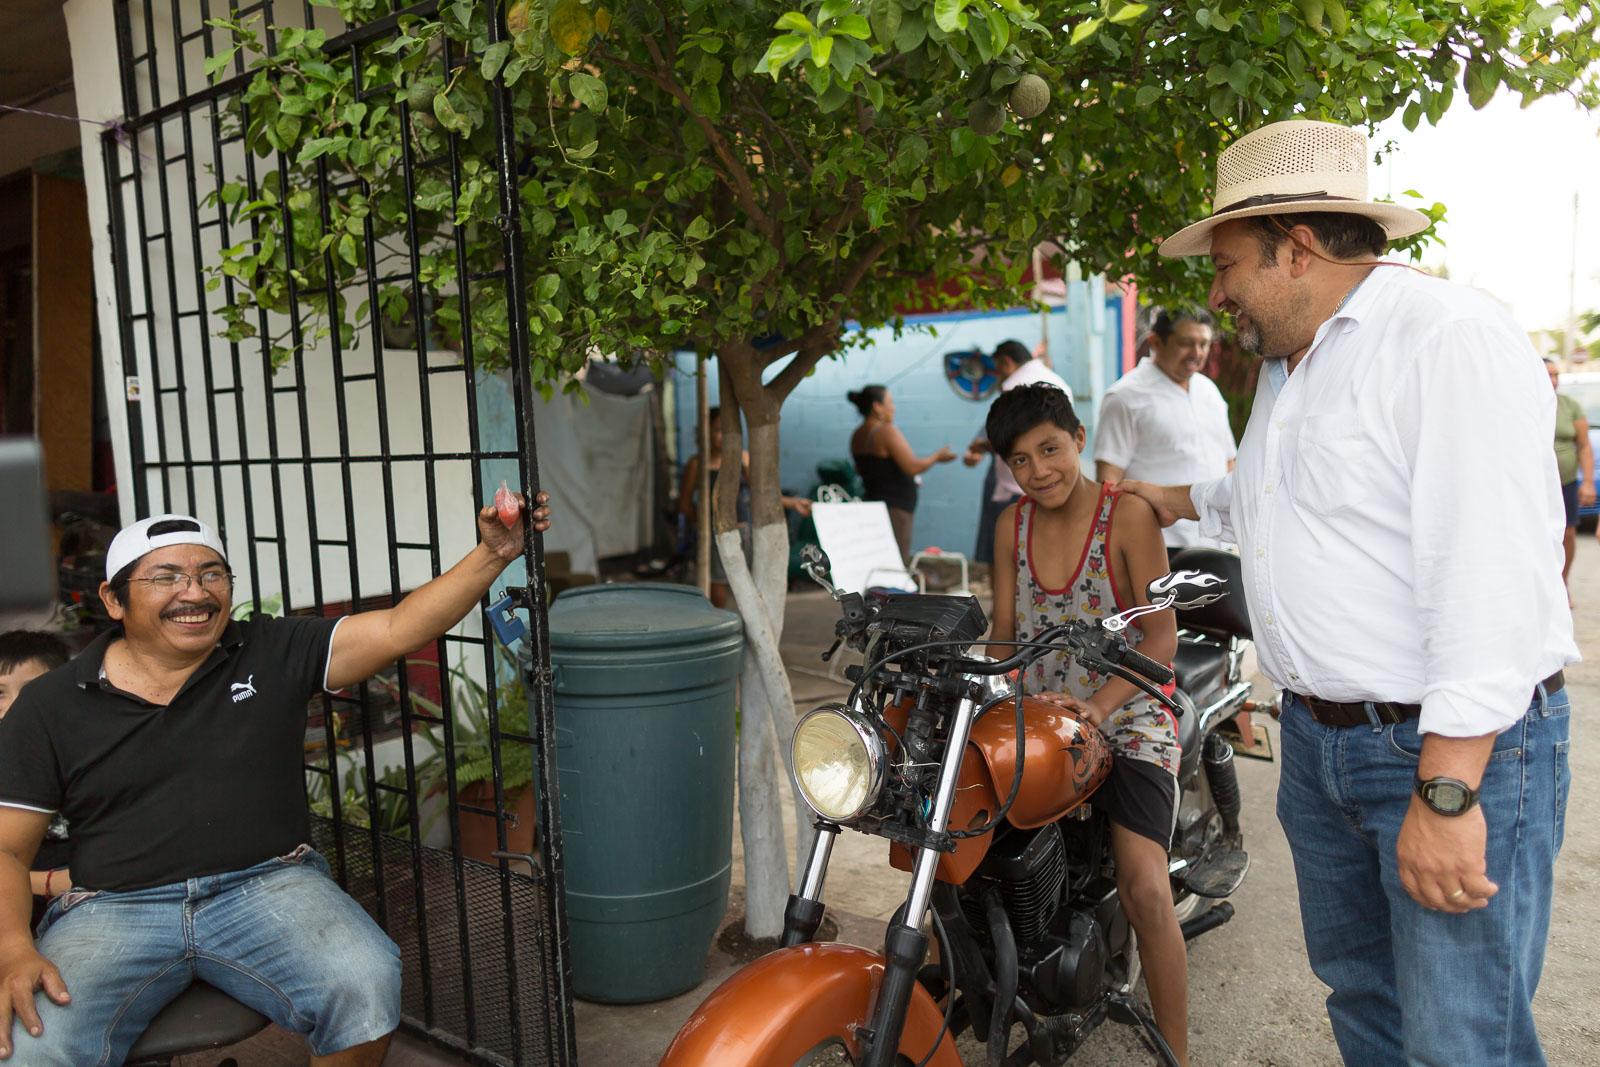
(1447, 796)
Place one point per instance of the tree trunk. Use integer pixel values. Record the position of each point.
(702, 518)
(766, 701)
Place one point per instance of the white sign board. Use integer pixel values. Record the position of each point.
(861, 547)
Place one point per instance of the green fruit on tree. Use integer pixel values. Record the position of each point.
(517, 18)
(985, 119)
(420, 96)
(1030, 96)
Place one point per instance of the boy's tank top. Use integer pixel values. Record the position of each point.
(1141, 729)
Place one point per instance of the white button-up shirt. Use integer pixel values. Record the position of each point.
(1030, 373)
(1397, 512)
(1158, 431)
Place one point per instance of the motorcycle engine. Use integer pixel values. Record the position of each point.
(1028, 867)
(1062, 952)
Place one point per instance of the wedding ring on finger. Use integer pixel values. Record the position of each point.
(1456, 895)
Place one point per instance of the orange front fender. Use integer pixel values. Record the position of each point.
(774, 1011)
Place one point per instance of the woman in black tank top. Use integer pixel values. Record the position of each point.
(884, 459)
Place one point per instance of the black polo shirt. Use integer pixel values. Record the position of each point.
(212, 782)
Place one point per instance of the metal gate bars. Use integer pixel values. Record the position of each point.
(341, 454)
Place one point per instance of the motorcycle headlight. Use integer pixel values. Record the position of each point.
(839, 762)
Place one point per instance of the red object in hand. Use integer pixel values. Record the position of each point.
(505, 502)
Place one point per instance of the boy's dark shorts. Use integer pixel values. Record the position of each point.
(1142, 797)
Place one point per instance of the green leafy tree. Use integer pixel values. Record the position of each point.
(743, 179)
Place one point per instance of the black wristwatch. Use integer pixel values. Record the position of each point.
(1447, 796)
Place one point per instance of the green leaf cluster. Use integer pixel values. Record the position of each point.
(705, 173)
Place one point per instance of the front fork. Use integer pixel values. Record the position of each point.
(905, 945)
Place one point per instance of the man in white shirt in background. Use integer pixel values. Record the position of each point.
(1016, 366)
(1165, 421)
(1399, 524)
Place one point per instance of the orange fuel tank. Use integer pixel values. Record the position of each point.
(1066, 759)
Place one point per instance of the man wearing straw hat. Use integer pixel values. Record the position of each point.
(1397, 514)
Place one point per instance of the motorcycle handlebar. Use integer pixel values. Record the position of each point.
(1139, 663)
(1124, 662)
(1030, 651)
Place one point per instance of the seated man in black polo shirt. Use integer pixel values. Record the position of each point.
(173, 744)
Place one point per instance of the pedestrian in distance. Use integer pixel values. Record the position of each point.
(1015, 365)
(174, 744)
(1399, 520)
(1165, 421)
(1574, 465)
(689, 502)
(889, 469)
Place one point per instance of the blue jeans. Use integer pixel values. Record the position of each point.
(281, 937)
(1412, 986)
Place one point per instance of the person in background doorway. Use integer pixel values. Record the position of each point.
(689, 500)
(24, 656)
(1016, 366)
(1574, 463)
(1165, 421)
(884, 459)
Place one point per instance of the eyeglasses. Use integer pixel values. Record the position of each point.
(212, 581)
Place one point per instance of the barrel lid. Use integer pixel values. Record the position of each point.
(636, 615)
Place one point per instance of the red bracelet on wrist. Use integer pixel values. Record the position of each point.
(47, 876)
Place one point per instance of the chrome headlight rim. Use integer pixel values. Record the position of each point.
(866, 734)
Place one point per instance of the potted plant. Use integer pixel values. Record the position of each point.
(474, 764)
(393, 806)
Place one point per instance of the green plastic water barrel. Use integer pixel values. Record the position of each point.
(645, 678)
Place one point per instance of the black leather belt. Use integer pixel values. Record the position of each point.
(1354, 712)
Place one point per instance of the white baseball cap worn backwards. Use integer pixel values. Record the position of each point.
(158, 531)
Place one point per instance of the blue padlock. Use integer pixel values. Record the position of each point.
(502, 616)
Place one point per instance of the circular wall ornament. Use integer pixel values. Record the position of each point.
(971, 374)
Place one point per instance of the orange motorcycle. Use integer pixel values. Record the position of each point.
(987, 798)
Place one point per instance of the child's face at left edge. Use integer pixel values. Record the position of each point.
(12, 682)
(1046, 463)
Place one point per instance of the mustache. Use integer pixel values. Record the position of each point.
(189, 609)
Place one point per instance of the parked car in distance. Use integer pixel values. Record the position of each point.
(1584, 386)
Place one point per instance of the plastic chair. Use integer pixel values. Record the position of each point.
(202, 1017)
(934, 554)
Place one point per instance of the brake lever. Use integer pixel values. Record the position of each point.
(826, 656)
(1119, 622)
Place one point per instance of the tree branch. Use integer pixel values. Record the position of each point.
(736, 175)
(816, 342)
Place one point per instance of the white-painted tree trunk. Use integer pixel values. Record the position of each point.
(766, 725)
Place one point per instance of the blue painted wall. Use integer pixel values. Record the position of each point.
(818, 420)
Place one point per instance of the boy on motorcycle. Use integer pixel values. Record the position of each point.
(1059, 557)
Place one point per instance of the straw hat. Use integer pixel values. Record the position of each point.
(1289, 167)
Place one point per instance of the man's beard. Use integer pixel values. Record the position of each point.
(1256, 341)
(1248, 335)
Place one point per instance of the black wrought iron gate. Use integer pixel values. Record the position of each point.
(347, 474)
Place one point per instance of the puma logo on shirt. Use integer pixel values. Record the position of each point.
(243, 690)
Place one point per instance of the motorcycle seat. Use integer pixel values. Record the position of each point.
(1228, 615)
(1201, 670)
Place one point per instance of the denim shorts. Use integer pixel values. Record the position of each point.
(280, 937)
